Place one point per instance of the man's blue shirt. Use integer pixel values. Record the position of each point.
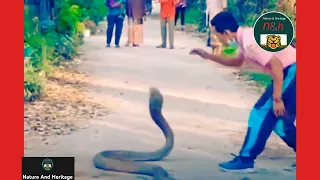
(116, 10)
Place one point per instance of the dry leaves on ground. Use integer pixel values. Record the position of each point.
(63, 106)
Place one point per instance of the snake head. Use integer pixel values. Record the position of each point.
(156, 99)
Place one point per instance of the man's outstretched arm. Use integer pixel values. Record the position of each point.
(232, 61)
(227, 61)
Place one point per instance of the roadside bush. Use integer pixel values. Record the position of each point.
(289, 8)
(94, 10)
(68, 18)
(261, 79)
(195, 14)
(32, 83)
(248, 11)
(48, 43)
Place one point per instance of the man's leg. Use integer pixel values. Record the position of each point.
(177, 15)
(111, 21)
(137, 33)
(209, 33)
(171, 32)
(163, 27)
(285, 127)
(119, 26)
(209, 38)
(130, 31)
(142, 33)
(183, 12)
(286, 130)
(262, 122)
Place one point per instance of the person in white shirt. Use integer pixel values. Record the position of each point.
(213, 8)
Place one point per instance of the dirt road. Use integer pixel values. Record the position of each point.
(204, 103)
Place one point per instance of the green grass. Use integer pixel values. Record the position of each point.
(261, 79)
(195, 16)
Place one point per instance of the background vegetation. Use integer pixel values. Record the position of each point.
(48, 43)
(246, 13)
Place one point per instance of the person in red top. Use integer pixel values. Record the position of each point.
(167, 16)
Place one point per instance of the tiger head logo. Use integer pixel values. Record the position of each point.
(273, 41)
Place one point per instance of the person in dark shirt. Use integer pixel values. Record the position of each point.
(180, 11)
(115, 17)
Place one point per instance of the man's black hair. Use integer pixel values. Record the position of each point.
(224, 21)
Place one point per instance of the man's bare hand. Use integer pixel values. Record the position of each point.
(200, 52)
(176, 2)
(117, 5)
(278, 108)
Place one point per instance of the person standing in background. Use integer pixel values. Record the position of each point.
(136, 12)
(115, 17)
(149, 6)
(180, 10)
(167, 15)
(213, 8)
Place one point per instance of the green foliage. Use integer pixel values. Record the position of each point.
(73, 12)
(288, 7)
(247, 11)
(195, 14)
(67, 19)
(32, 82)
(94, 10)
(55, 41)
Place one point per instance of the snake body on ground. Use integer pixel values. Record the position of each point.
(132, 161)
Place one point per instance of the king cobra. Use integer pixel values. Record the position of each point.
(131, 161)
